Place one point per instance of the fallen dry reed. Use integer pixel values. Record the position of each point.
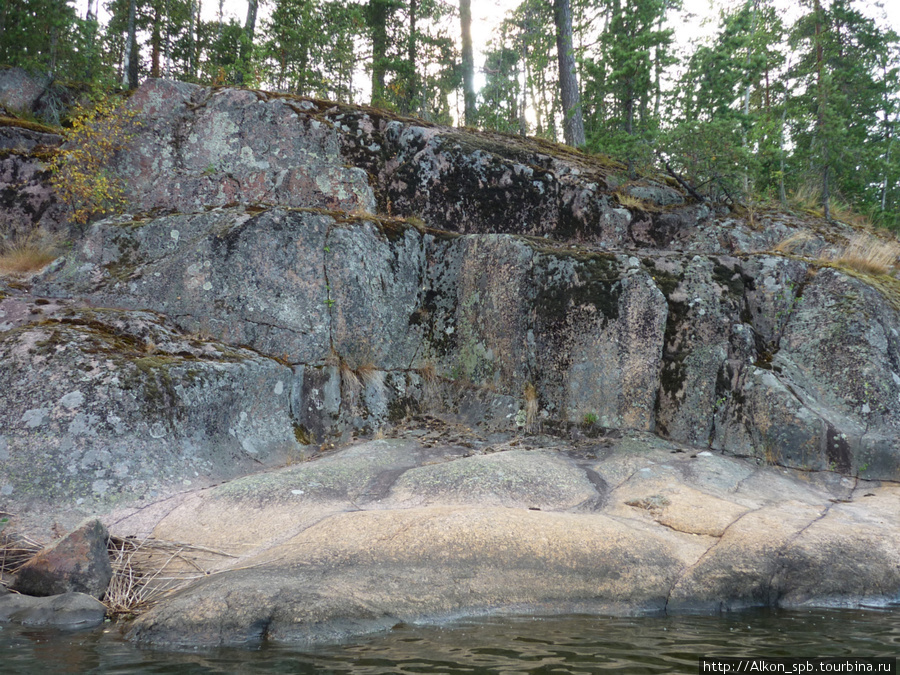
(146, 570)
(15, 550)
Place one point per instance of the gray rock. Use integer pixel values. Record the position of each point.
(69, 610)
(79, 562)
(655, 193)
(197, 148)
(109, 406)
(20, 91)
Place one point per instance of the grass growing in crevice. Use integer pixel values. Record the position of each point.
(28, 254)
(531, 409)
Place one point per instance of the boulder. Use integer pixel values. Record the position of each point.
(20, 91)
(77, 563)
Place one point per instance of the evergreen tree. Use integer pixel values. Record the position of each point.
(47, 36)
(623, 77)
(843, 85)
(731, 100)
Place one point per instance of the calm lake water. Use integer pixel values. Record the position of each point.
(567, 644)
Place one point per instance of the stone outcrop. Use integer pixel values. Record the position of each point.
(77, 563)
(106, 406)
(27, 200)
(391, 531)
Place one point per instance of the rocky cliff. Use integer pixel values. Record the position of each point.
(292, 273)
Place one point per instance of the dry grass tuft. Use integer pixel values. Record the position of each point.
(796, 241)
(531, 408)
(432, 382)
(15, 549)
(146, 570)
(26, 255)
(869, 254)
(630, 202)
(350, 384)
(371, 377)
(809, 198)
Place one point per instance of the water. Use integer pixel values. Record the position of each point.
(569, 644)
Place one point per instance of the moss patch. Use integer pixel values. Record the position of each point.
(25, 124)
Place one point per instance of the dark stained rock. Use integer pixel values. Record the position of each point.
(27, 200)
(20, 91)
(69, 610)
(77, 563)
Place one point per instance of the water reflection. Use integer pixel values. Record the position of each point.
(571, 644)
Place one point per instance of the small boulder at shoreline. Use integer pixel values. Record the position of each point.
(67, 610)
(79, 562)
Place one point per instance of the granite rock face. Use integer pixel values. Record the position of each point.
(391, 531)
(109, 406)
(291, 273)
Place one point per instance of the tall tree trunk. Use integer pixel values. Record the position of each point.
(781, 192)
(746, 176)
(629, 122)
(573, 121)
(192, 42)
(468, 61)
(155, 44)
(523, 120)
(129, 67)
(820, 113)
(889, 135)
(412, 86)
(377, 15)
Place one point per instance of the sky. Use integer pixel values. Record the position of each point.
(487, 15)
(698, 19)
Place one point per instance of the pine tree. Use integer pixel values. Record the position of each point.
(468, 61)
(843, 82)
(570, 94)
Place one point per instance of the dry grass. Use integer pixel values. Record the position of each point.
(630, 202)
(371, 377)
(432, 382)
(796, 241)
(351, 385)
(26, 255)
(531, 408)
(15, 550)
(869, 254)
(144, 571)
(809, 198)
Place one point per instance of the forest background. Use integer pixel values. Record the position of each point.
(766, 102)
